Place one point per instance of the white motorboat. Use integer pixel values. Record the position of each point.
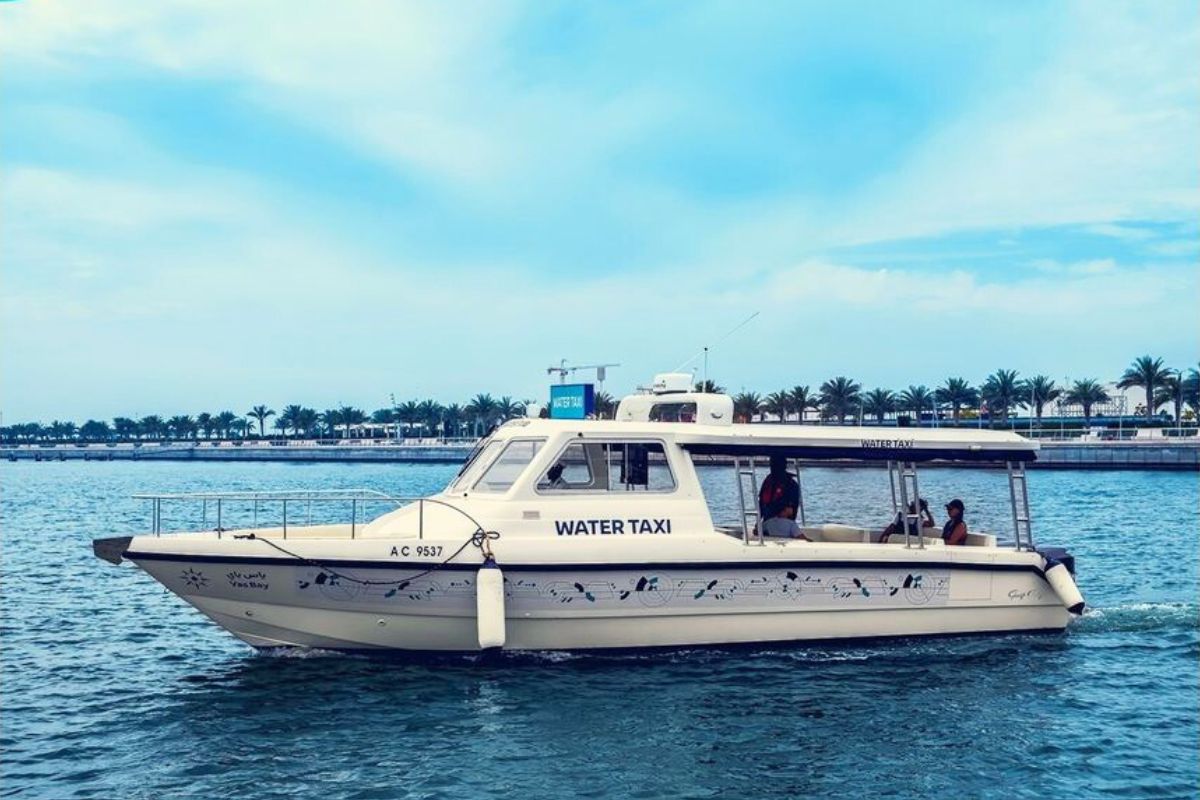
(594, 534)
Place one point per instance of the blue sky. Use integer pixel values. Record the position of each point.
(212, 205)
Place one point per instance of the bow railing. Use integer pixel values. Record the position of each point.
(227, 506)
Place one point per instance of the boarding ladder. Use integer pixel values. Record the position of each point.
(902, 475)
(751, 519)
(1018, 491)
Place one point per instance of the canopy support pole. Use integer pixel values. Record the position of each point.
(799, 494)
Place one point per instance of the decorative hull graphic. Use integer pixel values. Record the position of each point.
(585, 607)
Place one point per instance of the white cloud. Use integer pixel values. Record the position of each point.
(1105, 131)
(56, 197)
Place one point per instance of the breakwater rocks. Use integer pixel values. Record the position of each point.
(1169, 454)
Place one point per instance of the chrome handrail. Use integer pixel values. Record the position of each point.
(353, 496)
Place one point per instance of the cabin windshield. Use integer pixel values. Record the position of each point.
(503, 471)
(479, 458)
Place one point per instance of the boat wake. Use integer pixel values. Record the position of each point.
(299, 652)
(1139, 617)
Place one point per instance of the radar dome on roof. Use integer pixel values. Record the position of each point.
(671, 382)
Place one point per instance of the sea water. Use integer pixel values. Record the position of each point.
(113, 688)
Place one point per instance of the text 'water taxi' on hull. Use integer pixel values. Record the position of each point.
(577, 535)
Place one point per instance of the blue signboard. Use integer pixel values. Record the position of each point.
(572, 401)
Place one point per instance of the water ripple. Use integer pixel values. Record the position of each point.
(114, 689)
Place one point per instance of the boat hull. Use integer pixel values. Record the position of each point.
(266, 603)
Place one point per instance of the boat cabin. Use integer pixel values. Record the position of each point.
(637, 474)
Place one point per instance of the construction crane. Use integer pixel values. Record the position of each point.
(563, 370)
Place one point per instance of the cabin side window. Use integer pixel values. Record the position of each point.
(508, 466)
(609, 466)
(673, 412)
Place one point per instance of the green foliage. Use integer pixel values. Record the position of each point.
(1087, 393)
(839, 397)
(879, 403)
(747, 405)
(1002, 390)
(957, 392)
(1147, 373)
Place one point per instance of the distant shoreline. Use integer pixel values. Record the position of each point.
(1168, 454)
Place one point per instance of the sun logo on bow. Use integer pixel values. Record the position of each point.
(194, 579)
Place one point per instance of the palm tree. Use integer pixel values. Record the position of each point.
(606, 406)
(151, 426)
(33, 431)
(290, 416)
(383, 417)
(1041, 390)
(95, 430)
(349, 415)
(746, 405)
(1002, 390)
(839, 396)
(802, 400)
(1148, 373)
(224, 421)
(1191, 390)
(507, 408)
(125, 428)
(408, 413)
(1087, 393)
(709, 387)
(452, 419)
(430, 415)
(261, 413)
(958, 393)
(482, 410)
(182, 426)
(330, 418)
(1171, 391)
(307, 420)
(879, 402)
(205, 423)
(779, 403)
(917, 399)
(62, 430)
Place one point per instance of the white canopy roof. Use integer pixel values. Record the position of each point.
(807, 441)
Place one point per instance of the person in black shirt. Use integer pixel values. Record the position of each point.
(779, 491)
(897, 526)
(954, 532)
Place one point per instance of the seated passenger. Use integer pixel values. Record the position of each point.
(954, 532)
(783, 525)
(554, 477)
(779, 491)
(897, 526)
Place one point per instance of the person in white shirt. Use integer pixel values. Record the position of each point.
(783, 526)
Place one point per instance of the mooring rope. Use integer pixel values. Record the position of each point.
(479, 538)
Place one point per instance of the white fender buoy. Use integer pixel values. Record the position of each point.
(1059, 578)
(489, 604)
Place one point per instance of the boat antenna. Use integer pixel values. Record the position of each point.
(704, 350)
